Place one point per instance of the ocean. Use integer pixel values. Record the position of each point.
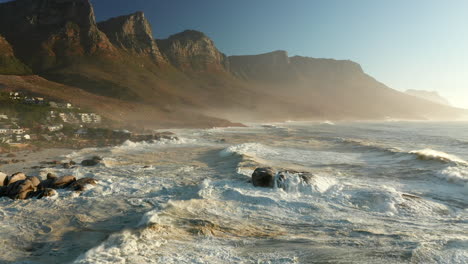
(388, 192)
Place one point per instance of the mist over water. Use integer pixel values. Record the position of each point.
(381, 192)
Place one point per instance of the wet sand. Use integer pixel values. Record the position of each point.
(33, 160)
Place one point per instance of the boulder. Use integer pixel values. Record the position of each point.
(3, 179)
(19, 176)
(81, 184)
(263, 177)
(63, 182)
(35, 181)
(51, 175)
(49, 183)
(91, 162)
(48, 192)
(19, 189)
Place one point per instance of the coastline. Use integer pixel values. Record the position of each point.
(32, 162)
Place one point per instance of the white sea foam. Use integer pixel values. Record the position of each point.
(248, 149)
(327, 122)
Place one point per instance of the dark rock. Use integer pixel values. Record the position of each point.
(64, 182)
(263, 177)
(49, 183)
(51, 175)
(43, 193)
(80, 185)
(11, 155)
(89, 163)
(19, 189)
(92, 162)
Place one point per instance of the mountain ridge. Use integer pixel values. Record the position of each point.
(119, 58)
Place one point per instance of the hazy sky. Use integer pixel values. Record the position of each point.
(406, 44)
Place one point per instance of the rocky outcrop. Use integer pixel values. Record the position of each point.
(19, 186)
(277, 66)
(193, 50)
(269, 178)
(9, 64)
(132, 33)
(264, 177)
(91, 162)
(51, 33)
(268, 66)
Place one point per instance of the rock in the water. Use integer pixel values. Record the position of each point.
(91, 162)
(19, 189)
(44, 193)
(3, 179)
(51, 175)
(35, 181)
(63, 182)
(80, 184)
(49, 183)
(19, 176)
(264, 177)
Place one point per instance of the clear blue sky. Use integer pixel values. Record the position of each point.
(406, 44)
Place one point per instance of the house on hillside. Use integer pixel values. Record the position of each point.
(89, 118)
(60, 105)
(18, 131)
(55, 128)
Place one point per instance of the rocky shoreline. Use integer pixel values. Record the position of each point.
(19, 186)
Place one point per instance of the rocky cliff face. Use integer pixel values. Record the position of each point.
(50, 33)
(193, 50)
(9, 64)
(277, 66)
(132, 33)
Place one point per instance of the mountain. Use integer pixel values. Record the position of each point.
(192, 50)
(9, 64)
(432, 96)
(53, 33)
(184, 77)
(133, 34)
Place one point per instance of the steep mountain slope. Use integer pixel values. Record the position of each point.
(338, 89)
(193, 51)
(133, 34)
(9, 64)
(119, 60)
(50, 33)
(122, 113)
(432, 96)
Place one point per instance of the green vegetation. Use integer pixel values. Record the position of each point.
(12, 66)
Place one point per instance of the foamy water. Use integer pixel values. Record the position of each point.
(390, 193)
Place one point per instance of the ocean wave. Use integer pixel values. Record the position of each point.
(369, 145)
(430, 154)
(423, 154)
(130, 145)
(456, 175)
(247, 149)
(327, 122)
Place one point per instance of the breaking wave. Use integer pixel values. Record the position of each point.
(430, 154)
